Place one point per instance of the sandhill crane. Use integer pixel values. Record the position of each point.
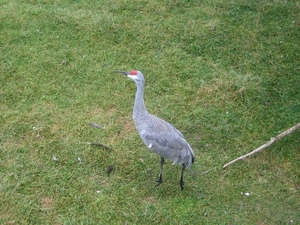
(158, 135)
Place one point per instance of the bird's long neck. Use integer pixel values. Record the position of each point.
(139, 110)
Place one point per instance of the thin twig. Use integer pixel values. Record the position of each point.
(273, 139)
(99, 144)
(205, 172)
(95, 125)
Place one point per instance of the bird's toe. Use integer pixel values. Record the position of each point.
(159, 181)
(181, 185)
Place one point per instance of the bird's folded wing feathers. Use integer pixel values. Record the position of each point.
(169, 145)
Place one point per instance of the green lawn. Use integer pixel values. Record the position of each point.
(226, 73)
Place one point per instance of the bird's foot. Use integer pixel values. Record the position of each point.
(181, 183)
(159, 181)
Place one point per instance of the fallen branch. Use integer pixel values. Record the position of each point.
(273, 139)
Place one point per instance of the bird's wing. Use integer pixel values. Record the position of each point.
(169, 143)
(166, 139)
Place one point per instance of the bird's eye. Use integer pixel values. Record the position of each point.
(133, 72)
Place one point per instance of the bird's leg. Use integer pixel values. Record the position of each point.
(181, 178)
(159, 181)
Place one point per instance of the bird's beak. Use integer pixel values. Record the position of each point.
(124, 73)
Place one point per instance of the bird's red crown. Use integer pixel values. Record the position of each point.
(133, 72)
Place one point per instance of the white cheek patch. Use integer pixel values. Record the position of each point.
(133, 77)
(150, 145)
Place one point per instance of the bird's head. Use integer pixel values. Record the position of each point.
(135, 75)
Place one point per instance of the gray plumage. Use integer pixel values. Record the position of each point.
(158, 135)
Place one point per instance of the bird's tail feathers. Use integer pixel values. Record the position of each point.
(192, 157)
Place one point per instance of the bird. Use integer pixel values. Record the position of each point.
(158, 135)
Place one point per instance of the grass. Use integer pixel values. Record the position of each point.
(226, 73)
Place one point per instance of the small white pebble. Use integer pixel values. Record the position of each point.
(227, 113)
(247, 194)
(79, 160)
(33, 128)
(54, 158)
(98, 192)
